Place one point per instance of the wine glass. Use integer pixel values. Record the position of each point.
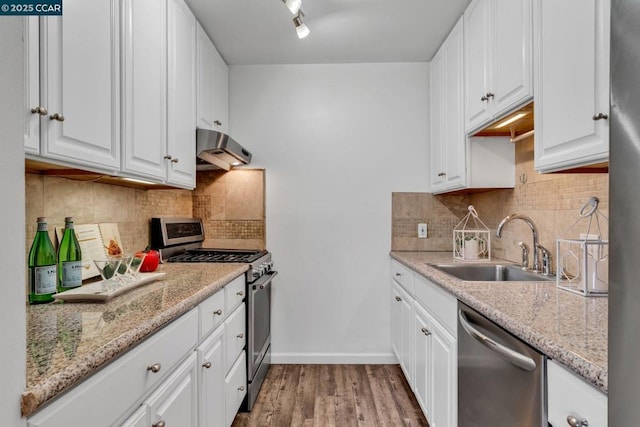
(124, 277)
(135, 264)
(108, 268)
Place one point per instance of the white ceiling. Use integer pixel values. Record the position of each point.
(262, 31)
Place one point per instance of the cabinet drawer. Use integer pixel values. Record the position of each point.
(438, 302)
(570, 395)
(124, 381)
(235, 388)
(402, 275)
(235, 336)
(234, 293)
(211, 312)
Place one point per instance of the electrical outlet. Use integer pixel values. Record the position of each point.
(422, 231)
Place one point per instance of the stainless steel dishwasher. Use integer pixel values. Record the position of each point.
(500, 378)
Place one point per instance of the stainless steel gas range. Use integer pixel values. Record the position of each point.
(180, 240)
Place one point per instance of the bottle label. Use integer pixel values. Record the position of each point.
(71, 274)
(44, 280)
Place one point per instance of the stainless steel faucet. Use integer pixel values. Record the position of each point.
(546, 267)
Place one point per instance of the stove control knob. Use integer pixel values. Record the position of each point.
(266, 267)
(256, 273)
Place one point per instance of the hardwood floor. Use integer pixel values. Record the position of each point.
(334, 395)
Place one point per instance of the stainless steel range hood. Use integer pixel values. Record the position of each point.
(217, 150)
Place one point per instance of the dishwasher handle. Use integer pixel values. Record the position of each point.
(511, 356)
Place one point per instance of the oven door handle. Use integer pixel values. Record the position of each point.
(510, 355)
(264, 281)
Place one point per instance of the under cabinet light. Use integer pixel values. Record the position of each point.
(510, 120)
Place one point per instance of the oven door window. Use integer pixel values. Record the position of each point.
(260, 321)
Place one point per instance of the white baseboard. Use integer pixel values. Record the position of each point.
(334, 358)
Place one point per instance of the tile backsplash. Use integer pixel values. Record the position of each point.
(551, 200)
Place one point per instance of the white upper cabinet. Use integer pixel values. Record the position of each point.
(181, 77)
(497, 52)
(145, 88)
(572, 83)
(448, 154)
(80, 84)
(213, 86)
(33, 108)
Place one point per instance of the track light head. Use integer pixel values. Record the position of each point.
(301, 29)
(293, 5)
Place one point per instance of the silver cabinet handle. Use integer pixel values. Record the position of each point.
(241, 388)
(240, 336)
(207, 364)
(168, 157)
(442, 174)
(39, 110)
(218, 312)
(158, 424)
(240, 294)
(425, 331)
(574, 422)
(155, 368)
(398, 274)
(217, 122)
(57, 116)
(398, 298)
(600, 116)
(174, 160)
(511, 356)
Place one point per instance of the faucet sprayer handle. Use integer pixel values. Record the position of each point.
(546, 260)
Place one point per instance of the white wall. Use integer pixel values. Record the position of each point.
(12, 263)
(335, 140)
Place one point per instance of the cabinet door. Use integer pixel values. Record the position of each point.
(174, 401)
(205, 70)
(477, 33)
(80, 78)
(140, 418)
(396, 321)
(437, 122)
(220, 93)
(235, 388)
(144, 88)
(235, 335)
(423, 381)
(572, 83)
(211, 380)
(181, 120)
(512, 67)
(455, 141)
(31, 37)
(444, 374)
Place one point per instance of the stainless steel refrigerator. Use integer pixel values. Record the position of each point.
(624, 211)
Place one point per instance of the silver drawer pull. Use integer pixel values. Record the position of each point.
(574, 422)
(398, 298)
(174, 160)
(240, 336)
(217, 122)
(57, 116)
(425, 331)
(241, 388)
(398, 274)
(155, 368)
(240, 293)
(168, 157)
(158, 424)
(218, 312)
(600, 116)
(207, 364)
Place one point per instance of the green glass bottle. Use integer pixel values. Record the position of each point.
(69, 259)
(42, 266)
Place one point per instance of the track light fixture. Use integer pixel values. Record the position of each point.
(293, 5)
(301, 29)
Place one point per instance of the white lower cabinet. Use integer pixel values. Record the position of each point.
(423, 329)
(176, 377)
(571, 398)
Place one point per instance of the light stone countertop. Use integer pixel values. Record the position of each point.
(568, 328)
(67, 342)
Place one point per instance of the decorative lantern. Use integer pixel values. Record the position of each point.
(471, 239)
(583, 255)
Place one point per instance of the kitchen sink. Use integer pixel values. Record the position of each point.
(491, 273)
